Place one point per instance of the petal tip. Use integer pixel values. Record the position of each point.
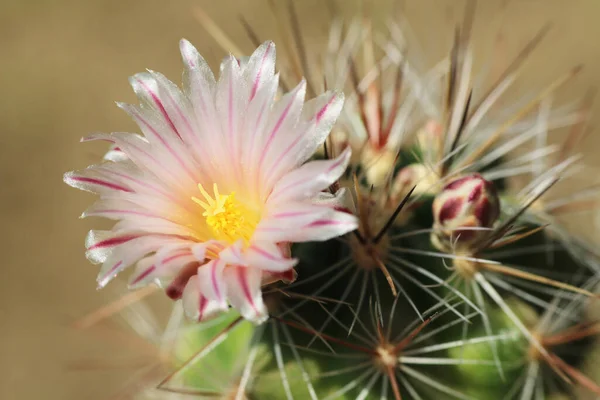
(259, 317)
(189, 54)
(68, 179)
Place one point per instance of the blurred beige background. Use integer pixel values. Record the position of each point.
(64, 63)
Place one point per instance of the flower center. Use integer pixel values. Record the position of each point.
(227, 217)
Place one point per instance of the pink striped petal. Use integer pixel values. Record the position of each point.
(91, 181)
(260, 67)
(194, 63)
(147, 89)
(127, 254)
(337, 223)
(256, 120)
(243, 290)
(115, 154)
(178, 108)
(146, 209)
(308, 180)
(231, 97)
(144, 273)
(318, 116)
(196, 306)
(279, 224)
(209, 249)
(157, 227)
(322, 112)
(129, 174)
(200, 85)
(341, 200)
(171, 104)
(136, 187)
(281, 128)
(119, 209)
(100, 244)
(170, 149)
(145, 157)
(181, 211)
(168, 250)
(267, 256)
(149, 270)
(233, 254)
(211, 282)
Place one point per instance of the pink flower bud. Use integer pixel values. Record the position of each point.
(468, 202)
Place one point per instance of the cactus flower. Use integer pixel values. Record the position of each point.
(209, 198)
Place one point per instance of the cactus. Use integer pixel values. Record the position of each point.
(455, 285)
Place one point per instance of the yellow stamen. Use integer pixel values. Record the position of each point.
(227, 217)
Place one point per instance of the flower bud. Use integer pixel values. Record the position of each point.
(429, 140)
(410, 176)
(416, 176)
(378, 164)
(468, 202)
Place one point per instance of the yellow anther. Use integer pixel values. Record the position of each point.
(227, 217)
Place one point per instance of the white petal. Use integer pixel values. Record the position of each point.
(243, 289)
(115, 154)
(336, 223)
(200, 86)
(233, 254)
(128, 173)
(145, 273)
(267, 256)
(260, 67)
(211, 282)
(195, 64)
(280, 224)
(341, 200)
(154, 226)
(196, 306)
(230, 100)
(126, 254)
(100, 244)
(279, 133)
(322, 112)
(174, 107)
(178, 109)
(309, 179)
(117, 208)
(167, 147)
(151, 269)
(168, 250)
(92, 180)
(156, 109)
(177, 210)
(147, 159)
(257, 117)
(308, 134)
